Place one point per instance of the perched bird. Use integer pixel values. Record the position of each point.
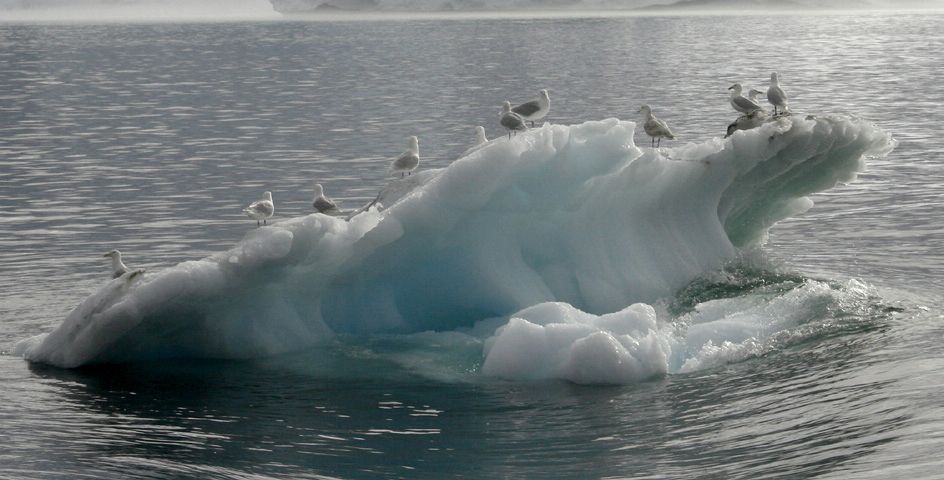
(480, 141)
(655, 128)
(511, 120)
(535, 109)
(775, 94)
(480, 137)
(321, 203)
(374, 202)
(261, 209)
(408, 160)
(747, 122)
(742, 103)
(118, 268)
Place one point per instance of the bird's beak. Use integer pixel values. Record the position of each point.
(731, 87)
(106, 255)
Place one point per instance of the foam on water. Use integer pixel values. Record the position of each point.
(573, 215)
(557, 341)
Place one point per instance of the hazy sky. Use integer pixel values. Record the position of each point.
(147, 9)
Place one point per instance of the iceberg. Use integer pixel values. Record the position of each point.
(573, 220)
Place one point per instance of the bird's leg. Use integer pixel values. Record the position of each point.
(257, 223)
(532, 123)
(264, 222)
(659, 142)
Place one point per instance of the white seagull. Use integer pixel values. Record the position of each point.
(655, 128)
(775, 94)
(408, 160)
(118, 268)
(742, 103)
(261, 209)
(480, 137)
(535, 109)
(321, 203)
(511, 120)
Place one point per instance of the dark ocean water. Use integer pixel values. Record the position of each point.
(150, 138)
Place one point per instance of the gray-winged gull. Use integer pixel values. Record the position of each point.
(655, 128)
(775, 94)
(261, 209)
(535, 109)
(511, 120)
(118, 268)
(321, 203)
(408, 160)
(742, 103)
(747, 122)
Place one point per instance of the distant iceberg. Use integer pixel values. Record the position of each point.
(575, 216)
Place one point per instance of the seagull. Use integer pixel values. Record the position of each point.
(747, 122)
(511, 120)
(742, 103)
(480, 137)
(775, 94)
(321, 203)
(261, 209)
(408, 160)
(374, 202)
(535, 109)
(118, 267)
(654, 127)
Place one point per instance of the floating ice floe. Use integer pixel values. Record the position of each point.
(573, 214)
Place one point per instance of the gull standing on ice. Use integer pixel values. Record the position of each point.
(480, 137)
(655, 128)
(261, 209)
(321, 203)
(535, 109)
(118, 267)
(775, 94)
(511, 120)
(408, 160)
(742, 103)
(480, 141)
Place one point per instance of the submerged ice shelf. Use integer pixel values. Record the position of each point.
(573, 214)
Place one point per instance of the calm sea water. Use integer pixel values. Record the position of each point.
(150, 138)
